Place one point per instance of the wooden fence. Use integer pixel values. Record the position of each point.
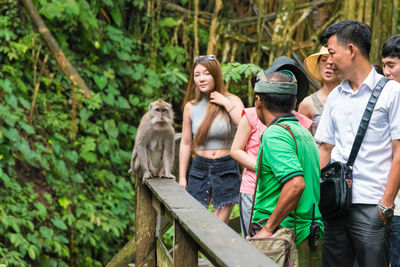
(162, 203)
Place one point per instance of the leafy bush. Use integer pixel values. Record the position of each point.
(65, 196)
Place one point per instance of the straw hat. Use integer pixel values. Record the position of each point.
(285, 63)
(311, 64)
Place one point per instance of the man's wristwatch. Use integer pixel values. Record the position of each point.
(387, 211)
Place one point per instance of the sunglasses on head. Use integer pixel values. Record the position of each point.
(208, 57)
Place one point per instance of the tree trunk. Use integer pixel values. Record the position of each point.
(212, 40)
(62, 61)
(196, 29)
(384, 25)
(281, 43)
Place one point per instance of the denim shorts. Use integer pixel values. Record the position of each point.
(218, 178)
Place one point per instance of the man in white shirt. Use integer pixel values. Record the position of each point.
(390, 54)
(364, 233)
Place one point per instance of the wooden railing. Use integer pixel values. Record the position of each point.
(162, 203)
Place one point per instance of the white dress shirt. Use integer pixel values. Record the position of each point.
(339, 124)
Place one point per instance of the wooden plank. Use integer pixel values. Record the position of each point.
(125, 256)
(220, 244)
(185, 250)
(163, 257)
(145, 226)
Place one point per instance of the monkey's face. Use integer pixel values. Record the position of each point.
(161, 114)
(203, 79)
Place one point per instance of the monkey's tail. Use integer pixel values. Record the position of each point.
(134, 163)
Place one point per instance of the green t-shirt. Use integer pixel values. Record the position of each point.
(280, 164)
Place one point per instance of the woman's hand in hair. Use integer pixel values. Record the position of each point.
(232, 104)
(220, 99)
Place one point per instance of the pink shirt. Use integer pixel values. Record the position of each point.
(257, 129)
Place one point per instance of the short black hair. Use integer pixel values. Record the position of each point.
(280, 103)
(350, 32)
(391, 47)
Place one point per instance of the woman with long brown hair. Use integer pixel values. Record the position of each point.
(210, 117)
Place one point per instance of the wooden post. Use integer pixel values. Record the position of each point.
(145, 226)
(185, 249)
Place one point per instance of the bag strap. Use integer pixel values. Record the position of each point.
(287, 127)
(365, 121)
(255, 188)
(317, 103)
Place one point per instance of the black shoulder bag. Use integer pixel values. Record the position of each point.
(337, 177)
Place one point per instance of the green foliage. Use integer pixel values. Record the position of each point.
(235, 71)
(65, 196)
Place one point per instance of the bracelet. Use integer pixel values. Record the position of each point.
(231, 109)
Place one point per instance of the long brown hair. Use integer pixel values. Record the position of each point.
(193, 95)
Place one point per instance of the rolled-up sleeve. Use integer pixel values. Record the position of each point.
(394, 110)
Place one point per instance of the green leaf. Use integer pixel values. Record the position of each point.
(11, 100)
(59, 223)
(123, 127)
(103, 148)
(64, 202)
(109, 99)
(28, 129)
(116, 158)
(116, 15)
(101, 81)
(94, 102)
(108, 2)
(44, 163)
(111, 129)
(114, 33)
(89, 157)
(52, 10)
(168, 22)
(48, 197)
(11, 134)
(123, 103)
(88, 144)
(77, 178)
(72, 156)
(85, 114)
(123, 55)
(6, 86)
(24, 103)
(61, 168)
(13, 238)
(31, 252)
(61, 137)
(41, 209)
(46, 232)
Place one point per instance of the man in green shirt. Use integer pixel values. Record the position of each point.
(290, 172)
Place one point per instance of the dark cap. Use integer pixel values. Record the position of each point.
(285, 63)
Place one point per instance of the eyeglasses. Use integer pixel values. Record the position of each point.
(208, 57)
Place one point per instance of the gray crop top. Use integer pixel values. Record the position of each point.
(218, 130)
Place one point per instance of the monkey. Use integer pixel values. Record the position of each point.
(153, 152)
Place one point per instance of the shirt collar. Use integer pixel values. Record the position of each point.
(284, 117)
(369, 82)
